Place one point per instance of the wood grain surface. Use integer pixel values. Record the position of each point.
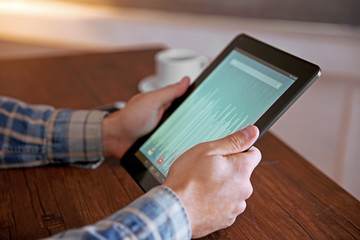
(291, 199)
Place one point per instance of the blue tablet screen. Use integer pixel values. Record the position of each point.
(236, 94)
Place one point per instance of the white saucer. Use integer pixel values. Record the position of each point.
(148, 84)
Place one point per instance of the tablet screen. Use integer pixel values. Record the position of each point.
(236, 94)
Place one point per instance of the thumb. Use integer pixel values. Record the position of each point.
(236, 142)
(168, 94)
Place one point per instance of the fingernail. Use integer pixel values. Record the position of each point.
(186, 78)
(249, 132)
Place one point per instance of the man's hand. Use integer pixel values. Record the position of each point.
(213, 180)
(140, 115)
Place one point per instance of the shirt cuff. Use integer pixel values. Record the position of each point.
(159, 214)
(75, 137)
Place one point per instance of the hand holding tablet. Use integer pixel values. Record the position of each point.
(139, 116)
(217, 180)
(249, 83)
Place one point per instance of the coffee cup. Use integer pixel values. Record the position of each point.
(171, 66)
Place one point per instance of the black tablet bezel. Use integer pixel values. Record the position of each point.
(306, 72)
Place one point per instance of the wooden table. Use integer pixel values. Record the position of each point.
(291, 199)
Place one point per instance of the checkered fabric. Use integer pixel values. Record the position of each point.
(34, 135)
(157, 215)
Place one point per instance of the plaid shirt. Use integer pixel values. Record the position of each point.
(34, 135)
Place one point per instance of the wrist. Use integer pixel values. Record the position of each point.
(114, 140)
(185, 210)
(187, 196)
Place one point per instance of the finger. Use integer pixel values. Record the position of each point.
(245, 163)
(168, 94)
(236, 142)
(240, 208)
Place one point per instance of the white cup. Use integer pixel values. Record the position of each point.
(174, 64)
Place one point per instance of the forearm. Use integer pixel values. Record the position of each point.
(159, 214)
(34, 135)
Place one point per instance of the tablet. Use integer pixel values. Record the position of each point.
(250, 82)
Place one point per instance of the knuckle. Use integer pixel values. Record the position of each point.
(248, 192)
(249, 162)
(236, 143)
(255, 152)
(247, 167)
(242, 207)
(258, 153)
(239, 208)
(230, 221)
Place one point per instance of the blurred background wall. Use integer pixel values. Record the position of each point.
(331, 11)
(323, 125)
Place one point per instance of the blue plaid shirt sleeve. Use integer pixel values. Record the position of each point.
(34, 135)
(159, 214)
